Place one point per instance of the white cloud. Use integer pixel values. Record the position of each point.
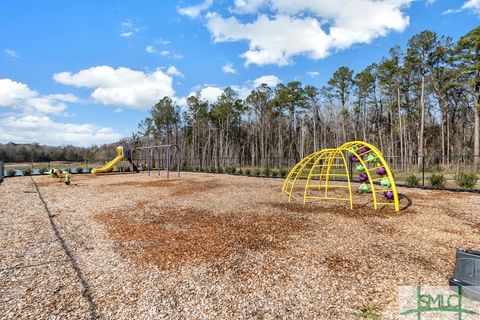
(228, 68)
(473, 5)
(150, 49)
(173, 71)
(295, 27)
(12, 53)
(194, 11)
(42, 129)
(162, 41)
(211, 93)
(128, 29)
(247, 6)
(12, 92)
(121, 86)
(313, 74)
(126, 34)
(269, 80)
(31, 124)
(19, 96)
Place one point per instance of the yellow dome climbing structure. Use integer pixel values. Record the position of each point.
(328, 169)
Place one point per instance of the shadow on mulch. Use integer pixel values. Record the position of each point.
(179, 188)
(358, 211)
(170, 238)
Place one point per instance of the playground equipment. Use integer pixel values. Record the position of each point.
(162, 153)
(110, 165)
(321, 170)
(57, 173)
(121, 154)
(1, 171)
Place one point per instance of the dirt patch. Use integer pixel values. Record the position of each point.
(455, 232)
(338, 263)
(179, 188)
(357, 211)
(49, 182)
(189, 188)
(169, 237)
(476, 227)
(155, 183)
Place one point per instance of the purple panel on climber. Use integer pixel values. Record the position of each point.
(362, 177)
(381, 171)
(363, 150)
(354, 159)
(388, 195)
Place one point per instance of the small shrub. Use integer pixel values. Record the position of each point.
(412, 180)
(120, 169)
(69, 170)
(79, 170)
(42, 170)
(283, 173)
(274, 173)
(220, 169)
(466, 180)
(127, 169)
(248, 171)
(26, 172)
(257, 172)
(231, 170)
(239, 171)
(11, 173)
(197, 169)
(437, 180)
(211, 169)
(267, 172)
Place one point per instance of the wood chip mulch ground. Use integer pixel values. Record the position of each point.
(205, 246)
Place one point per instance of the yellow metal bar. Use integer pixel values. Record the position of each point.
(295, 173)
(383, 164)
(327, 179)
(339, 165)
(349, 185)
(329, 198)
(309, 178)
(340, 199)
(372, 185)
(330, 186)
(325, 159)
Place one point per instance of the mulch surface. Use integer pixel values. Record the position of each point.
(217, 246)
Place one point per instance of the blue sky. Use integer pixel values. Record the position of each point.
(86, 72)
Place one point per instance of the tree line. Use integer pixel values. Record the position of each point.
(420, 102)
